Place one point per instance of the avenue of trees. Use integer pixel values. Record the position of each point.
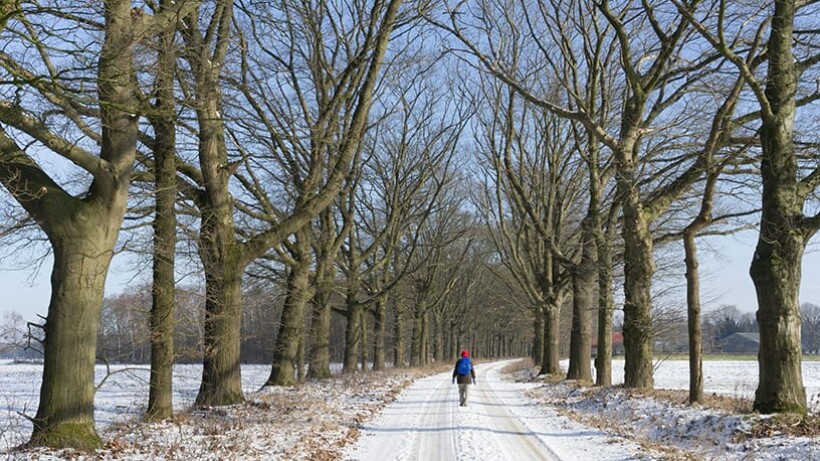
(381, 183)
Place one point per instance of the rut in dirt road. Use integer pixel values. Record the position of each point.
(500, 423)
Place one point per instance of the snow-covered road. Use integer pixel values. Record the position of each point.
(500, 423)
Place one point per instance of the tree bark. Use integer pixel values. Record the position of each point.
(399, 360)
(319, 367)
(379, 333)
(426, 353)
(438, 335)
(286, 350)
(160, 385)
(82, 233)
(353, 337)
(693, 317)
(418, 346)
(65, 416)
(552, 323)
(319, 362)
(538, 334)
(776, 265)
(639, 264)
(583, 288)
(221, 372)
(603, 357)
(362, 350)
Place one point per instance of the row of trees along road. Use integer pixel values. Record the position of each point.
(125, 333)
(441, 170)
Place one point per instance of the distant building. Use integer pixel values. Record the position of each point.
(617, 344)
(740, 343)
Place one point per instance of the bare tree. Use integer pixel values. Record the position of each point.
(163, 121)
(653, 79)
(347, 102)
(12, 334)
(316, 150)
(407, 170)
(438, 272)
(326, 249)
(784, 228)
(532, 163)
(83, 226)
(718, 137)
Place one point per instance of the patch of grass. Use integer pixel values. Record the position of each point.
(785, 424)
(78, 436)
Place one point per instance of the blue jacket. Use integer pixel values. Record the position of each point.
(464, 379)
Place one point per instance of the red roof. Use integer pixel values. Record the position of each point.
(617, 338)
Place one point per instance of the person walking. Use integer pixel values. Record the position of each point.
(464, 374)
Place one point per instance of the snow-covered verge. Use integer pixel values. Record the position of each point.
(722, 429)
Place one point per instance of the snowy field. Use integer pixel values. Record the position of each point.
(736, 378)
(122, 392)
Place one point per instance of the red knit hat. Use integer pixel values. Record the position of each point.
(464, 353)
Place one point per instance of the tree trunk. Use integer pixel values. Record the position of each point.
(379, 326)
(82, 234)
(319, 339)
(776, 266)
(551, 364)
(65, 416)
(602, 261)
(693, 317)
(221, 371)
(416, 338)
(300, 360)
(352, 335)
(286, 351)
(160, 394)
(222, 257)
(538, 334)
(160, 386)
(776, 274)
(639, 266)
(583, 287)
(399, 359)
(426, 352)
(438, 336)
(603, 357)
(362, 349)
(319, 367)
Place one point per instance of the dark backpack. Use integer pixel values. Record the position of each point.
(464, 366)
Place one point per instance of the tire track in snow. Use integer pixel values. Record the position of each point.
(417, 426)
(426, 423)
(513, 439)
(435, 437)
